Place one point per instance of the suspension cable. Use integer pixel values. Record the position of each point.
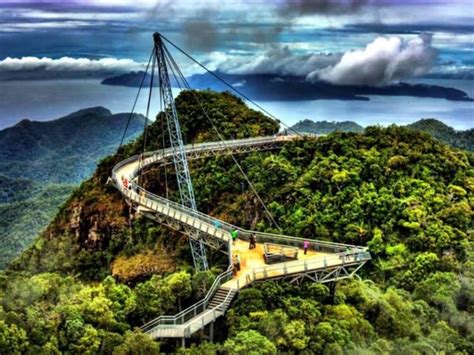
(218, 77)
(163, 140)
(269, 214)
(149, 101)
(135, 102)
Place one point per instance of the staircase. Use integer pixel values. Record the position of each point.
(216, 308)
(222, 298)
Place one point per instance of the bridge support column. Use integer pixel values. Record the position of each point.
(211, 332)
(332, 290)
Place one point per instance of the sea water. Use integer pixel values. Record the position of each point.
(44, 100)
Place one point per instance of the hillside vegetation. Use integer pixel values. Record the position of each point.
(41, 162)
(325, 127)
(436, 128)
(85, 283)
(459, 139)
(65, 150)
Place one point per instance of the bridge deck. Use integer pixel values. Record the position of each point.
(188, 328)
(253, 259)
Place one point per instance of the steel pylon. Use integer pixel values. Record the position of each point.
(185, 185)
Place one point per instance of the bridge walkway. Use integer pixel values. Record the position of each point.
(324, 262)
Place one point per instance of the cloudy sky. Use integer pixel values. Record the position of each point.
(344, 42)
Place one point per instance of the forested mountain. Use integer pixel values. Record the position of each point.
(96, 273)
(65, 150)
(40, 162)
(441, 131)
(325, 127)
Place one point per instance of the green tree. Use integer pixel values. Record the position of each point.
(13, 340)
(135, 343)
(249, 342)
(202, 282)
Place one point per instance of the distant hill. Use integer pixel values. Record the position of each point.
(41, 163)
(66, 149)
(325, 127)
(436, 128)
(297, 88)
(132, 79)
(441, 131)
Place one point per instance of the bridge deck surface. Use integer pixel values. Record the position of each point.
(253, 259)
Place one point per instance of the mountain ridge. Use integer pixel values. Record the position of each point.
(438, 129)
(87, 134)
(41, 162)
(463, 139)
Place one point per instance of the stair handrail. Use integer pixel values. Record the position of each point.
(219, 307)
(180, 318)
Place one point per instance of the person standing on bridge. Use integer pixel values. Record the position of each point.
(253, 242)
(236, 263)
(234, 234)
(305, 246)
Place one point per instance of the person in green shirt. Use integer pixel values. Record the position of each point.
(234, 234)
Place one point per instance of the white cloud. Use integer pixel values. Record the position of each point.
(239, 84)
(45, 25)
(64, 67)
(382, 61)
(277, 60)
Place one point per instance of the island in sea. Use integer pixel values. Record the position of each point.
(295, 88)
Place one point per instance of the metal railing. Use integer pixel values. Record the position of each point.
(142, 195)
(211, 314)
(192, 311)
(310, 264)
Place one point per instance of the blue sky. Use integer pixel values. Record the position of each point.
(329, 39)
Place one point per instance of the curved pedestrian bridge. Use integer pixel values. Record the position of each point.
(323, 262)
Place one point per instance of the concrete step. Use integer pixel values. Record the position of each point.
(215, 304)
(222, 297)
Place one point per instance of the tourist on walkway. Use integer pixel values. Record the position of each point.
(236, 263)
(234, 234)
(305, 246)
(252, 242)
(217, 224)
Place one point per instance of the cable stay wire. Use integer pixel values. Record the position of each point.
(163, 136)
(149, 101)
(188, 87)
(136, 100)
(218, 77)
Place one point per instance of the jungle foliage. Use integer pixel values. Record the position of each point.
(402, 193)
(42, 162)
